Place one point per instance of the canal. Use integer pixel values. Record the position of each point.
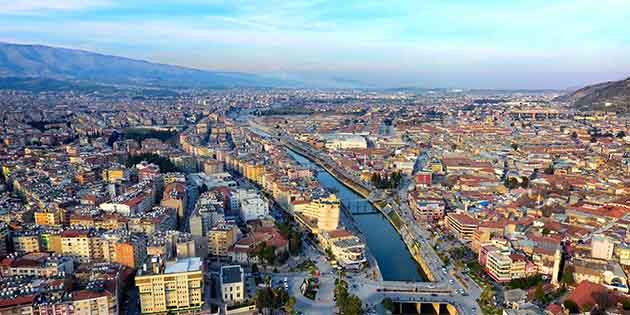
(394, 260)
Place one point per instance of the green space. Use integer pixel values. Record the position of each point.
(347, 304)
(274, 299)
(140, 134)
(164, 163)
(396, 220)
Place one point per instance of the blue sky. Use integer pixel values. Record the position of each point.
(425, 43)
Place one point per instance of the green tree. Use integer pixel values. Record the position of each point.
(290, 305)
(254, 268)
(567, 275)
(389, 305)
(571, 306)
(539, 293)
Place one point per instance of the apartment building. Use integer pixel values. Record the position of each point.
(173, 286)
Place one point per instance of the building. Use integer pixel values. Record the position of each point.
(605, 272)
(319, 214)
(221, 238)
(26, 243)
(462, 225)
(348, 249)
(173, 286)
(232, 284)
(175, 197)
(602, 247)
(49, 218)
(501, 264)
(249, 204)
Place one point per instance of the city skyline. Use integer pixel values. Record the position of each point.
(488, 44)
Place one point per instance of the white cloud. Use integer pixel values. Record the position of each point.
(23, 7)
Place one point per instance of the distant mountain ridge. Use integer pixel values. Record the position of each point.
(607, 96)
(38, 61)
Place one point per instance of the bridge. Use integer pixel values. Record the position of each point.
(359, 207)
(441, 296)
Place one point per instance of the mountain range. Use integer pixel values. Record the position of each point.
(611, 96)
(33, 65)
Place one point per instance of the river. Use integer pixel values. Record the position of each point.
(394, 260)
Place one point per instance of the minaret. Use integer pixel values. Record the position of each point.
(557, 260)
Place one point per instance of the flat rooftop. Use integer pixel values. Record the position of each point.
(183, 265)
(231, 274)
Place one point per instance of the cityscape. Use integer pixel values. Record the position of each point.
(136, 187)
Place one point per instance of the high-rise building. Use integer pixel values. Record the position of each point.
(173, 286)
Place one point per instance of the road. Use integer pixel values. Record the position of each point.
(450, 285)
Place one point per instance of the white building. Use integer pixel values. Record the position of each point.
(232, 284)
(250, 204)
(346, 141)
(602, 247)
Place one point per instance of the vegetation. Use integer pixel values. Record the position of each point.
(389, 305)
(293, 235)
(386, 182)
(571, 306)
(526, 283)
(140, 134)
(567, 275)
(266, 254)
(348, 304)
(164, 163)
(396, 220)
(268, 298)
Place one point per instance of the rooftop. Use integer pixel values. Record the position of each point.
(183, 265)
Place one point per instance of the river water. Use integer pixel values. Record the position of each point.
(394, 260)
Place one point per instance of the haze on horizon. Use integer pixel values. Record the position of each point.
(535, 44)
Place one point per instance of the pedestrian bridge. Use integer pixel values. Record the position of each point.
(358, 207)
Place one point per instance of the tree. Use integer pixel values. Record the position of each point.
(389, 305)
(539, 293)
(621, 134)
(290, 305)
(254, 268)
(267, 253)
(567, 275)
(571, 306)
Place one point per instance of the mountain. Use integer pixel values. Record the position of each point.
(609, 96)
(39, 62)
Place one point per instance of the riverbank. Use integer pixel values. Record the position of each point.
(409, 246)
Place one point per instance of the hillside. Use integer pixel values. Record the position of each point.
(608, 96)
(44, 62)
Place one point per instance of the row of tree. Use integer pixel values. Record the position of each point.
(347, 304)
(276, 299)
(386, 182)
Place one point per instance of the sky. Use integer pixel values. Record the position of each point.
(533, 44)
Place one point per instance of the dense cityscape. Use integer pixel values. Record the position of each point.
(305, 201)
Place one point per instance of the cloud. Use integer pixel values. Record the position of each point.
(28, 7)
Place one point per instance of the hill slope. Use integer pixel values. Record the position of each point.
(609, 96)
(36, 61)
